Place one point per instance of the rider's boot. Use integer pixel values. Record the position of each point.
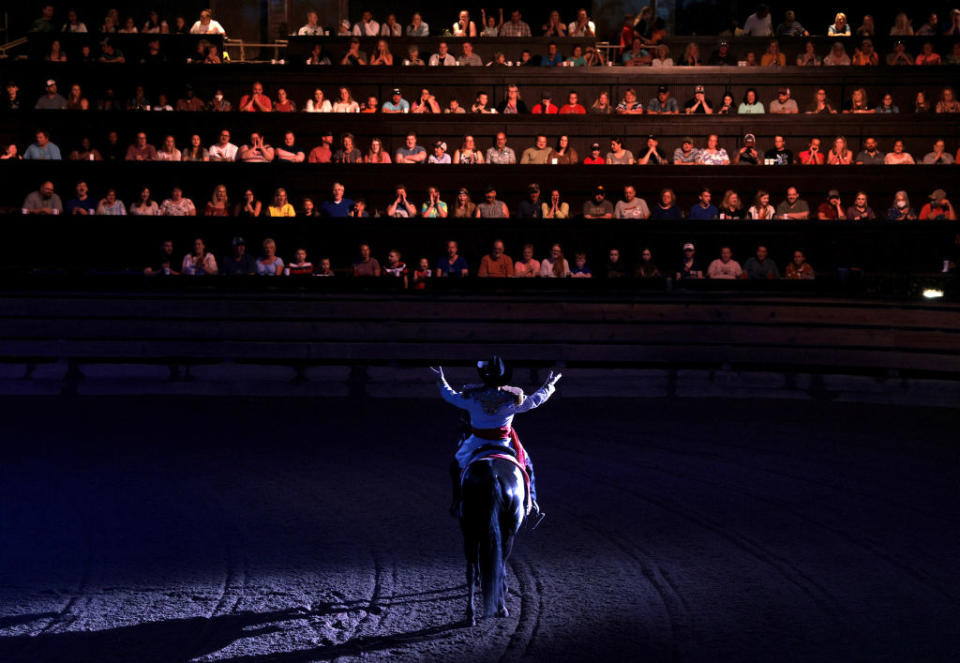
(536, 515)
(455, 482)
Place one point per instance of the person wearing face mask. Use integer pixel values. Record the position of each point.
(901, 210)
(219, 103)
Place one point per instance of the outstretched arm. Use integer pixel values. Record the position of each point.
(540, 396)
(446, 391)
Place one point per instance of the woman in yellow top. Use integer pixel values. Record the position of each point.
(281, 206)
(773, 57)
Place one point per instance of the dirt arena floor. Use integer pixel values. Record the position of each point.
(247, 530)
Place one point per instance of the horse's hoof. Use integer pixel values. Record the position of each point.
(503, 612)
(471, 621)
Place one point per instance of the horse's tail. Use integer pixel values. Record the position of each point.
(491, 556)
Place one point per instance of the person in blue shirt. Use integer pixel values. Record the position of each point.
(83, 203)
(397, 103)
(338, 206)
(580, 269)
(43, 149)
(453, 264)
(704, 209)
(552, 58)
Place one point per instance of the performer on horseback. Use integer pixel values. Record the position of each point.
(491, 407)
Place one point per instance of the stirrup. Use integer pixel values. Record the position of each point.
(535, 520)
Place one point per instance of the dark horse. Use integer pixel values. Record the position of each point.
(492, 510)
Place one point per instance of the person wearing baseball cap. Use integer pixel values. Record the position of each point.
(397, 103)
(783, 104)
(595, 156)
(689, 268)
(545, 107)
(832, 209)
(699, 104)
(939, 208)
(598, 207)
(239, 263)
(51, 100)
(722, 57)
(663, 103)
(748, 154)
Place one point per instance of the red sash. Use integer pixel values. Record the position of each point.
(503, 433)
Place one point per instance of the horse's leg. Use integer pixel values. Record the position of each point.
(471, 618)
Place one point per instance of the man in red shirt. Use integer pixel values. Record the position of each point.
(594, 157)
(256, 101)
(545, 107)
(323, 152)
(573, 105)
(812, 156)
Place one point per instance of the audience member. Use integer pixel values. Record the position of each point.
(395, 268)
(666, 208)
(144, 205)
(793, 208)
(647, 268)
(496, 263)
(200, 262)
(43, 201)
(401, 208)
(452, 265)
(948, 102)
(224, 150)
(840, 27)
(630, 105)
(513, 104)
(417, 28)
(366, 265)
(289, 152)
(725, 267)
(556, 208)
(433, 207)
(491, 208)
(689, 267)
(783, 104)
(928, 56)
(442, 58)
(206, 25)
(779, 154)
(748, 154)
(839, 154)
(410, 152)
(545, 107)
(860, 211)
(563, 153)
(538, 154)
(257, 151)
(82, 203)
(713, 154)
(464, 208)
(869, 155)
(837, 57)
(249, 206)
(809, 57)
(703, 209)
(337, 206)
(556, 266)
(599, 207)
(799, 269)
(898, 156)
(323, 153)
(348, 152)
(426, 103)
(686, 154)
(731, 207)
(699, 103)
(886, 105)
(529, 208)
(177, 204)
(901, 210)
(812, 156)
(938, 208)
(832, 209)
(165, 261)
(51, 100)
(527, 266)
(761, 210)
(300, 266)
(899, 55)
(938, 155)
(760, 267)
